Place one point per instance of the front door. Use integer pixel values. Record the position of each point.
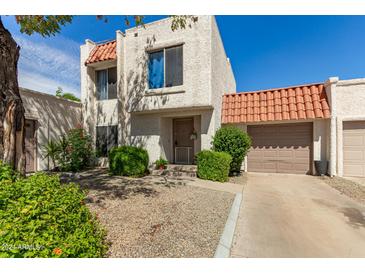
(183, 143)
(30, 145)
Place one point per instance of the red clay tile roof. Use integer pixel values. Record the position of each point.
(293, 103)
(103, 52)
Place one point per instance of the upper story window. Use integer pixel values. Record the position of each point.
(165, 67)
(106, 84)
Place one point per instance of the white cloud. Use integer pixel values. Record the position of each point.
(38, 82)
(44, 67)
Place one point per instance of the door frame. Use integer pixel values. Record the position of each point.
(191, 118)
(35, 146)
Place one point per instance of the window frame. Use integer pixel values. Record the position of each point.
(107, 83)
(163, 49)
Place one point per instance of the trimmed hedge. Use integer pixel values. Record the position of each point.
(40, 217)
(235, 142)
(128, 161)
(213, 165)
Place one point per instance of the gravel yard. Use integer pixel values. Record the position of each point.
(157, 217)
(347, 187)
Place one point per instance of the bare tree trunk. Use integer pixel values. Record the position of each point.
(11, 107)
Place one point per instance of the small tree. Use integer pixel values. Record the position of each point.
(235, 142)
(66, 95)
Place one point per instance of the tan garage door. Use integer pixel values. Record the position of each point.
(284, 148)
(354, 148)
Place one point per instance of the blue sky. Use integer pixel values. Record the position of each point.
(265, 51)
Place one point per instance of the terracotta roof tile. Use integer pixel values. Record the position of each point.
(294, 103)
(103, 52)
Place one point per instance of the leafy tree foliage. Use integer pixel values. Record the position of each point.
(45, 25)
(66, 95)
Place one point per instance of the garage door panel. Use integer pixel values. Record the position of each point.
(354, 139)
(353, 155)
(285, 153)
(355, 170)
(270, 153)
(301, 154)
(280, 148)
(354, 148)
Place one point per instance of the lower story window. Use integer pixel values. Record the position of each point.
(106, 139)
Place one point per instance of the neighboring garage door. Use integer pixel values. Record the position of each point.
(354, 148)
(284, 148)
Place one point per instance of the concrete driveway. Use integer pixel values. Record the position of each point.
(297, 216)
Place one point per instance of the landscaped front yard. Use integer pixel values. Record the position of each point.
(156, 216)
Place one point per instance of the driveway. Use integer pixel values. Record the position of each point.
(297, 216)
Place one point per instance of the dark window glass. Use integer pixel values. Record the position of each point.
(106, 139)
(174, 66)
(101, 84)
(112, 83)
(156, 69)
(101, 141)
(112, 137)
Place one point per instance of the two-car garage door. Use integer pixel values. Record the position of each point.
(280, 148)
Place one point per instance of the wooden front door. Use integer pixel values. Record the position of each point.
(30, 145)
(183, 144)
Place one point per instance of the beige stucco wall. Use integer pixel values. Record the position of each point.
(54, 116)
(196, 87)
(95, 112)
(349, 96)
(222, 77)
(144, 115)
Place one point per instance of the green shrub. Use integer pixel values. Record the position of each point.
(161, 163)
(213, 165)
(72, 152)
(233, 141)
(39, 217)
(128, 161)
(7, 173)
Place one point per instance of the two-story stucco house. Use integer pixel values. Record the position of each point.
(169, 91)
(157, 88)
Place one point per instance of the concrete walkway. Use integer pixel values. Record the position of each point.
(297, 216)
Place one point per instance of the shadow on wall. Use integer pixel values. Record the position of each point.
(59, 114)
(54, 116)
(137, 85)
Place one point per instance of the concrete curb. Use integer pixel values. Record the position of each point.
(225, 242)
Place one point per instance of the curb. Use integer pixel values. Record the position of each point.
(225, 242)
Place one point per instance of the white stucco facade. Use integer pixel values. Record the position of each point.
(145, 117)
